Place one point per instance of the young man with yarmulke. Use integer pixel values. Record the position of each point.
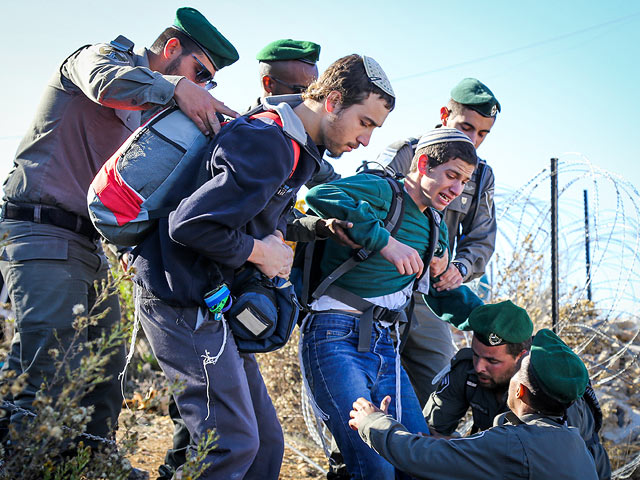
(234, 220)
(478, 378)
(347, 345)
(532, 440)
(471, 222)
(52, 257)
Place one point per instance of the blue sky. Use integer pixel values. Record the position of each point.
(566, 73)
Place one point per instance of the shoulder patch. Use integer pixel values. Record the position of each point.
(444, 383)
(114, 54)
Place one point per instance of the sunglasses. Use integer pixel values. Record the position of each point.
(292, 87)
(204, 76)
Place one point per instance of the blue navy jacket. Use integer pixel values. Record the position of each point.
(211, 233)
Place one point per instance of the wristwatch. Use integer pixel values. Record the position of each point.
(461, 268)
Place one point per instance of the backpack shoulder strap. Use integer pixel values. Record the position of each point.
(434, 239)
(276, 118)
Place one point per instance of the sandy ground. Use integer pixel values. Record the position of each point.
(155, 438)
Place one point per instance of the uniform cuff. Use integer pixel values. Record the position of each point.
(164, 87)
(467, 264)
(381, 422)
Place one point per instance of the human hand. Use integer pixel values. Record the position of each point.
(272, 256)
(124, 261)
(439, 264)
(449, 280)
(405, 258)
(198, 104)
(337, 230)
(363, 408)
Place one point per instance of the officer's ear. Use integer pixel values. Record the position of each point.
(267, 84)
(333, 101)
(172, 49)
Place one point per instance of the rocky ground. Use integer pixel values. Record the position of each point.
(303, 459)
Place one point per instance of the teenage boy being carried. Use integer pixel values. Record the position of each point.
(339, 365)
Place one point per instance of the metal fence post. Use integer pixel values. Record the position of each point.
(554, 244)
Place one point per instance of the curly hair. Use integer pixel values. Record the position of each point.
(348, 76)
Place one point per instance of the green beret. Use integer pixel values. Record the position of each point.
(215, 46)
(287, 49)
(499, 323)
(474, 94)
(560, 372)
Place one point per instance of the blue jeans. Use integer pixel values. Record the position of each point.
(338, 374)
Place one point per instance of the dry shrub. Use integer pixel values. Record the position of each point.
(607, 343)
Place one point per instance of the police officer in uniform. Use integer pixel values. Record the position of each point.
(51, 258)
(471, 222)
(478, 377)
(288, 67)
(532, 440)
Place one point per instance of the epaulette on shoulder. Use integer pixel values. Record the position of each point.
(122, 44)
(462, 355)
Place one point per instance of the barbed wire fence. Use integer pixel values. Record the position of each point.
(598, 314)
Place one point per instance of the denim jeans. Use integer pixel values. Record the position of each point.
(338, 374)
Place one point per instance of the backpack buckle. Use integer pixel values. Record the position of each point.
(362, 254)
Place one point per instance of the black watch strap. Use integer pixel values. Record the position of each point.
(461, 268)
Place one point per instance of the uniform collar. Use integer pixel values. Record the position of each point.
(141, 58)
(529, 418)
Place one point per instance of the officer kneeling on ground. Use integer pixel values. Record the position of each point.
(478, 377)
(530, 441)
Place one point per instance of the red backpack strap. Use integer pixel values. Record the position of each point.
(276, 118)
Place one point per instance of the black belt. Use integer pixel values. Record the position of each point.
(51, 216)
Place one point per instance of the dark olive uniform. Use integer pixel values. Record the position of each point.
(531, 447)
(51, 258)
(458, 389)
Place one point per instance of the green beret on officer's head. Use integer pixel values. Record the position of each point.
(288, 49)
(474, 94)
(215, 46)
(500, 323)
(559, 371)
